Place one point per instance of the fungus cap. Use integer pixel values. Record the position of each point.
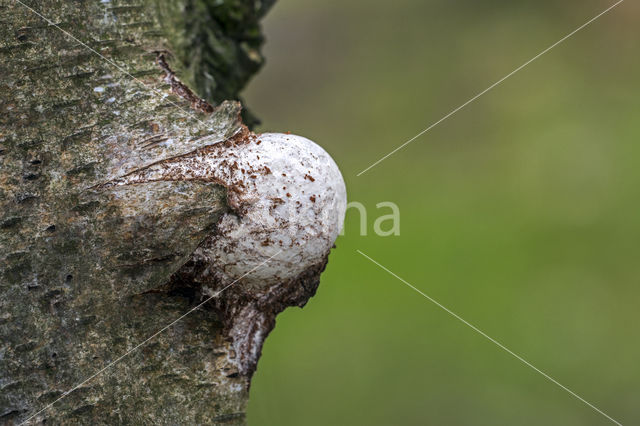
(293, 209)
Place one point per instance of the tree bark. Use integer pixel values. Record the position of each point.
(87, 271)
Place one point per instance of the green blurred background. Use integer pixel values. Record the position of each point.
(520, 212)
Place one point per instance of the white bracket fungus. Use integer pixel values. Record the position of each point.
(288, 197)
(288, 201)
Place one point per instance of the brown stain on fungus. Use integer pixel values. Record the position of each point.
(277, 201)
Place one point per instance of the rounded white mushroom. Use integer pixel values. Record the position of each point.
(293, 211)
(288, 197)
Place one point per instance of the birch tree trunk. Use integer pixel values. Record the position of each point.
(88, 273)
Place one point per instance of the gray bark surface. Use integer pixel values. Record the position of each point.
(88, 272)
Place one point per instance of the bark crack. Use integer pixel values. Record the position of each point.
(179, 88)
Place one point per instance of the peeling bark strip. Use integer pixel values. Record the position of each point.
(180, 89)
(84, 265)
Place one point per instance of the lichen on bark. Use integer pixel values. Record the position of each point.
(86, 274)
